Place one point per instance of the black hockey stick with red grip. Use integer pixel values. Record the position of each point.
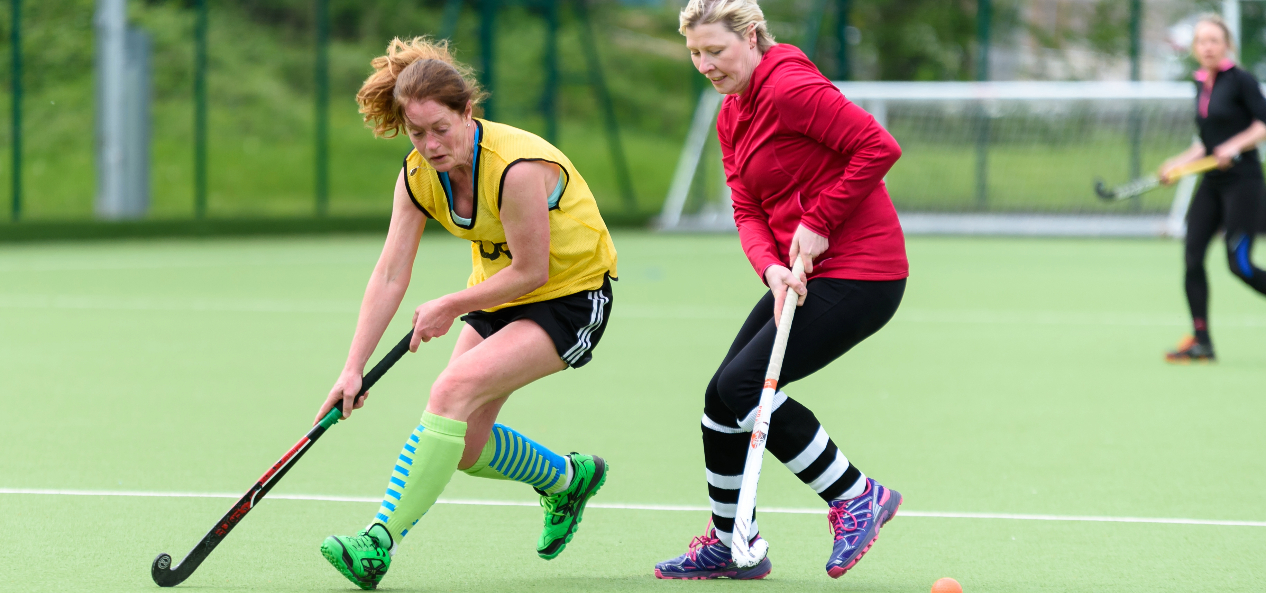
(166, 575)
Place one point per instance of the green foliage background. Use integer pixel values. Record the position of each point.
(261, 101)
(262, 70)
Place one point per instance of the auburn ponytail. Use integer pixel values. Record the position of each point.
(417, 69)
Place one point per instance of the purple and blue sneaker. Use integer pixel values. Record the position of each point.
(856, 524)
(708, 558)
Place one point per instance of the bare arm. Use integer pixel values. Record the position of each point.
(387, 285)
(525, 217)
(1193, 152)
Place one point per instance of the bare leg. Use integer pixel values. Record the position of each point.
(480, 423)
(481, 374)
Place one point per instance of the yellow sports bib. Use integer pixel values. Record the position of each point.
(580, 247)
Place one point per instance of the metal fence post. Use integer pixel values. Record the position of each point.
(200, 111)
(813, 26)
(322, 85)
(549, 97)
(843, 68)
(1231, 14)
(110, 39)
(599, 85)
(487, 51)
(984, 16)
(452, 12)
(137, 124)
(15, 40)
(1136, 116)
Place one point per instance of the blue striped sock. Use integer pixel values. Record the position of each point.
(420, 473)
(399, 474)
(512, 456)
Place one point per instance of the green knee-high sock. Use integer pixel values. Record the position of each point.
(422, 471)
(509, 455)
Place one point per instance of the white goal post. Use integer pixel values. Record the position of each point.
(991, 157)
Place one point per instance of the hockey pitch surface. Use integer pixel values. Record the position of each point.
(1017, 400)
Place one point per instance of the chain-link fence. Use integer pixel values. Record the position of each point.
(246, 108)
(249, 107)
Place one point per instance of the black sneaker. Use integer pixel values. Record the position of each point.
(1191, 350)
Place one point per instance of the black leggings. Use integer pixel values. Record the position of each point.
(836, 315)
(1232, 200)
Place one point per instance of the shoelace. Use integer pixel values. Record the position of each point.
(702, 541)
(560, 509)
(555, 508)
(364, 541)
(836, 518)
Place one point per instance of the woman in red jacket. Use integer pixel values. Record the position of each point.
(806, 168)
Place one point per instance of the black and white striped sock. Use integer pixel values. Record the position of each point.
(724, 453)
(796, 438)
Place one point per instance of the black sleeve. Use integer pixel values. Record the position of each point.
(1251, 94)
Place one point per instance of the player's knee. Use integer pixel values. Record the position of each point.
(1242, 269)
(1238, 248)
(1194, 274)
(1193, 261)
(451, 395)
(737, 390)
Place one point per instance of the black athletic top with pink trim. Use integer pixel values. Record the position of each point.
(1226, 104)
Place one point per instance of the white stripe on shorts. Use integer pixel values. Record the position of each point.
(583, 344)
(578, 348)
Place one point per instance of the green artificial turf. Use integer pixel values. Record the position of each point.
(1019, 376)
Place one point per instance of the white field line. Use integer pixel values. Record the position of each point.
(661, 312)
(643, 507)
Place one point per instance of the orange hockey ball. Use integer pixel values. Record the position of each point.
(947, 585)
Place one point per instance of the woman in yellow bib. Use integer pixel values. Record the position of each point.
(537, 301)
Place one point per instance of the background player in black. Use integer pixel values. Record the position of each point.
(1230, 112)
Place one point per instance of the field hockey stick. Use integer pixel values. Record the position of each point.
(745, 555)
(166, 575)
(1143, 185)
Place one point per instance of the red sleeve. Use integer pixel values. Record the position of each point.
(752, 220)
(813, 106)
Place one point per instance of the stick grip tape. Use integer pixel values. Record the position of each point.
(381, 368)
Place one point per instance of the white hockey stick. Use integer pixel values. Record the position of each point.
(748, 556)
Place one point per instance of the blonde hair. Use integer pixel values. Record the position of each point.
(417, 69)
(736, 15)
(1214, 18)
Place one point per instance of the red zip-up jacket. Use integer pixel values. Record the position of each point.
(797, 152)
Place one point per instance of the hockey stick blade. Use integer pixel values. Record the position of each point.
(745, 554)
(1105, 194)
(1126, 191)
(166, 575)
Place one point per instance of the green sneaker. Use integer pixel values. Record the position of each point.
(363, 558)
(563, 511)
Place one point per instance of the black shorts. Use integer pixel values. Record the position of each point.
(574, 322)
